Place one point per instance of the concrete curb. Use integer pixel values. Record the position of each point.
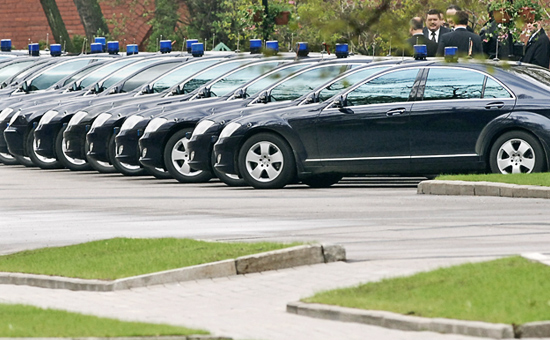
(436, 187)
(190, 337)
(391, 320)
(272, 260)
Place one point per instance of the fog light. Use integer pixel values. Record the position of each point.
(219, 159)
(91, 147)
(120, 149)
(144, 153)
(37, 144)
(67, 144)
(192, 155)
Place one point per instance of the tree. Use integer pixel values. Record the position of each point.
(56, 24)
(91, 17)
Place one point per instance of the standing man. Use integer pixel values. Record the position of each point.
(537, 50)
(450, 17)
(418, 38)
(468, 43)
(434, 29)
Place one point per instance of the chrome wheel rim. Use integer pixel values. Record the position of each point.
(264, 161)
(74, 161)
(43, 159)
(515, 156)
(7, 156)
(180, 159)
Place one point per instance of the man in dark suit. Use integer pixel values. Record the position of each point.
(450, 17)
(434, 29)
(537, 50)
(468, 43)
(418, 38)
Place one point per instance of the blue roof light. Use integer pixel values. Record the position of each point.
(420, 52)
(132, 49)
(451, 53)
(34, 50)
(197, 49)
(190, 42)
(6, 45)
(342, 50)
(302, 49)
(272, 46)
(255, 46)
(96, 48)
(102, 41)
(55, 50)
(113, 47)
(165, 46)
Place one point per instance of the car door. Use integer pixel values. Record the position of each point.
(456, 104)
(370, 133)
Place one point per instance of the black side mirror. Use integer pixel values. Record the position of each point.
(75, 87)
(114, 90)
(310, 99)
(146, 89)
(177, 90)
(25, 87)
(240, 93)
(263, 97)
(204, 93)
(339, 102)
(3, 85)
(97, 88)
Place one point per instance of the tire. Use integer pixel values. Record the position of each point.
(70, 163)
(8, 159)
(40, 161)
(99, 166)
(266, 161)
(176, 160)
(158, 173)
(124, 168)
(229, 179)
(322, 180)
(25, 161)
(517, 152)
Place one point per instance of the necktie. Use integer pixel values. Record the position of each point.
(433, 36)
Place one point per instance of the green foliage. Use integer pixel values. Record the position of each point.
(510, 290)
(20, 321)
(78, 43)
(542, 178)
(165, 25)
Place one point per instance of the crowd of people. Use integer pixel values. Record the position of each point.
(438, 31)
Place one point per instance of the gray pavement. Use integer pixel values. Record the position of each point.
(387, 229)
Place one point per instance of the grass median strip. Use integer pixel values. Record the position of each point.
(510, 290)
(124, 257)
(26, 321)
(542, 179)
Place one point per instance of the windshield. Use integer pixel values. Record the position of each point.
(104, 72)
(56, 73)
(178, 75)
(272, 78)
(147, 75)
(212, 73)
(126, 71)
(82, 73)
(9, 71)
(28, 71)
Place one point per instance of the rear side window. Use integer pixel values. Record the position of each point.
(495, 90)
(391, 87)
(448, 84)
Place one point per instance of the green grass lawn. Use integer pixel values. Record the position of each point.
(510, 290)
(542, 178)
(25, 321)
(123, 257)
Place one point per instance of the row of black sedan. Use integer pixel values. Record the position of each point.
(269, 121)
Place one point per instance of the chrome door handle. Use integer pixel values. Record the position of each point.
(395, 112)
(495, 105)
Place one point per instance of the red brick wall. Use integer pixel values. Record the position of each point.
(23, 21)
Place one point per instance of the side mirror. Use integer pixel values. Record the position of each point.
(97, 88)
(204, 93)
(240, 93)
(3, 85)
(263, 97)
(146, 89)
(75, 87)
(25, 87)
(114, 90)
(339, 102)
(310, 99)
(177, 90)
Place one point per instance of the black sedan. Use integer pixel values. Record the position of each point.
(416, 119)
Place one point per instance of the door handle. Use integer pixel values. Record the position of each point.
(395, 112)
(495, 105)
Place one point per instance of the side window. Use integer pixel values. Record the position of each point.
(446, 84)
(56, 73)
(177, 76)
(272, 78)
(306, 82)
(495, 90)
(146, 76)
(240, 77)
(391, 87)
(345, 82)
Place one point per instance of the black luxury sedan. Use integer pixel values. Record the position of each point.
(422, 119)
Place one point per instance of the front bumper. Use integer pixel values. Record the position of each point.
(151, 147)
(45, 136)
(75, 139)
(200, 150)
(225, 152)
(127, 144)
(15, 136)
(98, 141)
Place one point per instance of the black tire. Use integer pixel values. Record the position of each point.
(266, 161)
(8, 159)
(25, 161)
(123, 168)
(68, 162)
(229, 179)
(322, 180)
(517, 152)
(158, 173)
(176, 160)
(40, 161)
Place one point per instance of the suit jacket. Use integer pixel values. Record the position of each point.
(442, 30)
(537, 50)
(422, 40)
(460, 38)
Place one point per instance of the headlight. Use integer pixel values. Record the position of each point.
(130, 122)
(5, 113)
(202, 127)
(77, 118)
(14, 117)
(47, 117)
(102, 118)
(229, 130)
(155, 124)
